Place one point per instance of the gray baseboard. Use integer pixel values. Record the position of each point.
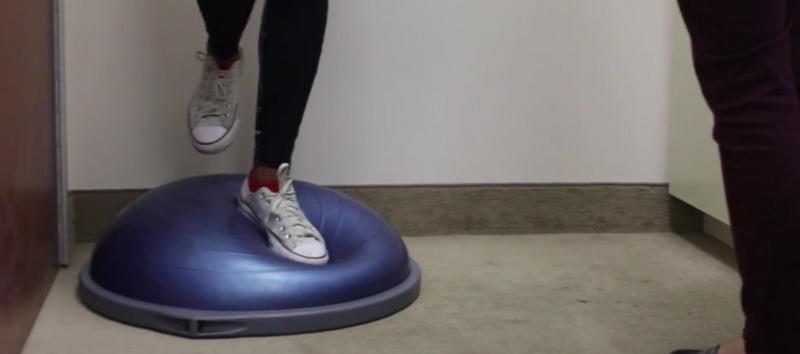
(718, 229)
(474, 209)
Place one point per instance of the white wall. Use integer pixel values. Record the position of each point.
(409, 92)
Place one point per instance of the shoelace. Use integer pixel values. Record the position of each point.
(221, 83)
(286, 206)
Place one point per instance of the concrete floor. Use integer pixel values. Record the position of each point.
(632, 293)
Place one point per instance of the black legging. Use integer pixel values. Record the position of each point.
(290, 45)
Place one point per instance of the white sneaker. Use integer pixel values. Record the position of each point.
(290, 233)
(213, 109)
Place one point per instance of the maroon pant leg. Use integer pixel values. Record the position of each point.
(743, 59)
(794, 22)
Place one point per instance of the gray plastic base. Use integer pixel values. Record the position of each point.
(214, 324)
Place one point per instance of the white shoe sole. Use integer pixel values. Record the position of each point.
(274, 242)
(217, 146)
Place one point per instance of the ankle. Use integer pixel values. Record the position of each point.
(263, 176)
(224, 58)
(734, 347)
(226, 63)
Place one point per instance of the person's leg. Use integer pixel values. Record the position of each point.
(794, 19)
(742, 56)
(213, 109)
(292, 33)
(225, 23)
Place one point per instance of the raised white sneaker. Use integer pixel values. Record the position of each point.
(212, 115)
(290, 233)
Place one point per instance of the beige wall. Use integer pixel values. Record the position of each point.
(694, 166)
(414, 91)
